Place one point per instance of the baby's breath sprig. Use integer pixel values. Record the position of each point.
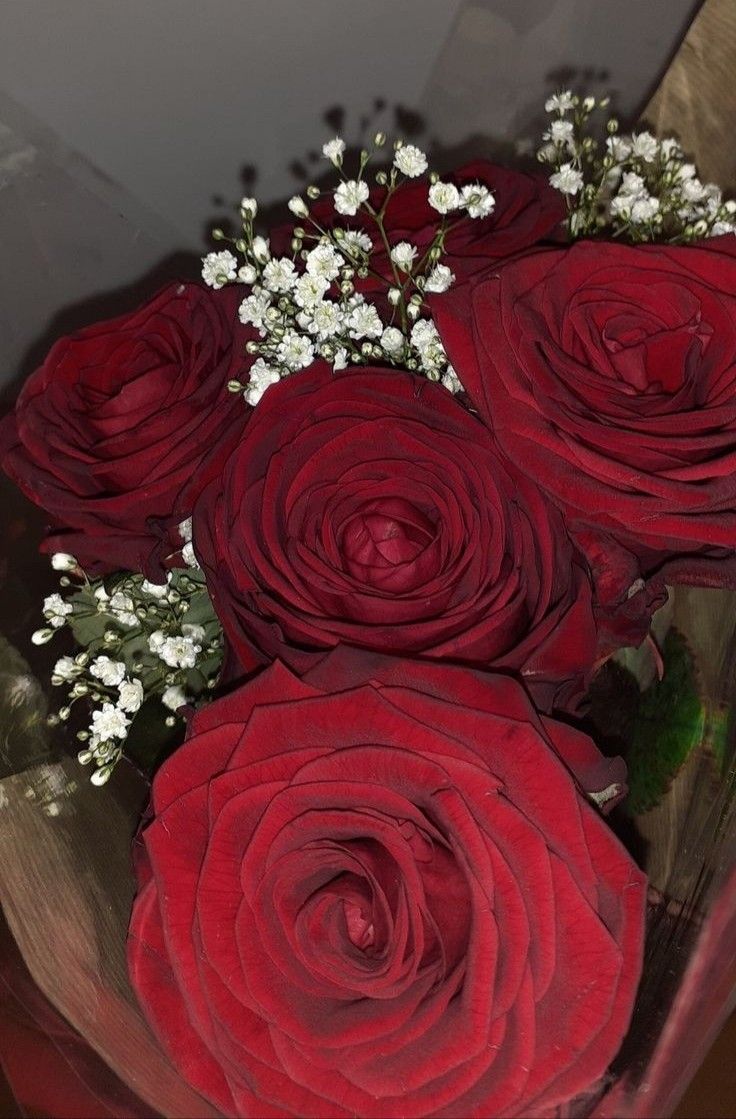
(139, 641)
(309, 304)
(630, 186)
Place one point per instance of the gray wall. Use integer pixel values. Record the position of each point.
(127, 126)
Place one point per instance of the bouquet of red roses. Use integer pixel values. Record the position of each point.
(368, 510)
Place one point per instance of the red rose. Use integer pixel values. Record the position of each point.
(377, 892)
(608, 374)
(371, 508)
(526, 210)
(126, 420)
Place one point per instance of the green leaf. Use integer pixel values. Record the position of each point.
(669, 723)
(149, 740)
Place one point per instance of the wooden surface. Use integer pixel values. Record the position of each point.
(66, 886)
(696, 99)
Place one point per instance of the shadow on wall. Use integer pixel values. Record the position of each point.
(309, 168)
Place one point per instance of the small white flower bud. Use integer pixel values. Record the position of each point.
(261, 251)
(298, 207)
(248, 207)
(101, 776)
(62, 561)
(41, 636)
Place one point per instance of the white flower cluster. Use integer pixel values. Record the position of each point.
(311, 303)
(140, 640)
(636, 186)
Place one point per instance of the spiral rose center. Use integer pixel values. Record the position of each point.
(385, 537)
(653, 352)
(361, 930)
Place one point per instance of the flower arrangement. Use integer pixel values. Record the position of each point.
(369, 512)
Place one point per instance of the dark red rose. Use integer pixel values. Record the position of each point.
(371, 508)
(608, 374)
(378, 892)
(526, 210)
(126, 421)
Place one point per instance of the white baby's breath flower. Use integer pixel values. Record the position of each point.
(324, 262)
(355, 241)
(66, 668)
(644, 146)
(295, 351)
(261, 249)
(102, 600)
(644, 208)
(157, 590)
(410, 161)
(248, 206)
(692, 190)
(298, 206)
(364, 322)
(279, 275)
(393, 296)
(451, 381)
(424, 334)
(334, 150)
(193, 631)
(177, 652)
(174, 697)
(719, 228)
(618, 148)
(62, 561)
(477, 200)
(218, 268)
(620, 206)
(55, 610)
(426, 341)
(109, 722)
(631, 183)
(110, 672)
(443, 197)
(260, 377)
(324, 320)
(439, 279)
(252, 310)
(130, 695)
(122, 608)
(392, 341)
(184, 529)
(247, 274)
(559, 102)
(560, 132)
(187, 554)
(567, 179)
(340, 360)
(403, 255)
(349, 196)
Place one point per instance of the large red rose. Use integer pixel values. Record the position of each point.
(378, 892)
(526, 210)
(371, 508)
(126, 421)
(608, 374)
